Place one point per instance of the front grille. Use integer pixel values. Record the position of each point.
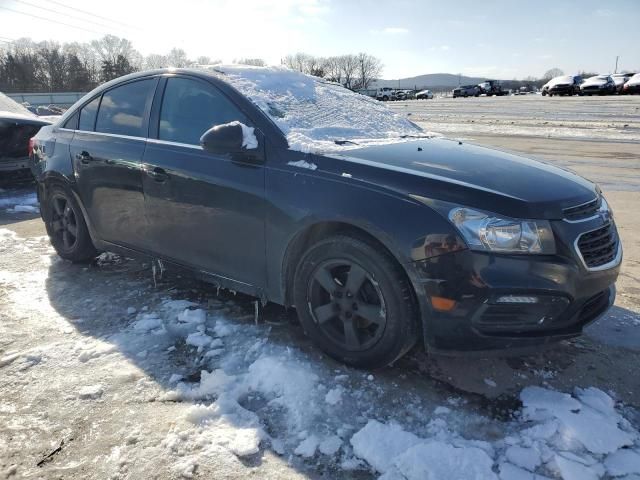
(582, 211)
(598, 247)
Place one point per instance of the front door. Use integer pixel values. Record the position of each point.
(107, 153)
(204, 210)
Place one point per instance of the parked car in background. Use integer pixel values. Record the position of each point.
(563, 85)
(466, 91)
(17, 126)
(632, 86)
(620, 79)
(424, 95)
(230, 174)
(598, 85)
(401, 94)
(492, 87)
(385, 94)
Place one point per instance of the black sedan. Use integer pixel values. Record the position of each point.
(300, 192)
(598, 85)
(563, 85)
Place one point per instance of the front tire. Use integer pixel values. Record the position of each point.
(66, 226)
(355, 302)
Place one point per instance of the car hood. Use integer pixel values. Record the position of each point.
(467, 174)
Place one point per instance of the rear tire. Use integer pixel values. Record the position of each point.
(355, 302)
(66, 226)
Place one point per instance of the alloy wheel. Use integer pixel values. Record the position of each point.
(347, 304)
(64, 224)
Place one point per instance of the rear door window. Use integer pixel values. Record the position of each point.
(88, 115)
(190, 108)
(123, 109)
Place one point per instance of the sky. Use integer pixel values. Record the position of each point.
(491, 38)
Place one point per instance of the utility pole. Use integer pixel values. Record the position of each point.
(616, 70)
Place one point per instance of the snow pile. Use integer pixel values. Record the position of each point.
(10, 106)
(313, 113)
(27, 202)
(557, 435)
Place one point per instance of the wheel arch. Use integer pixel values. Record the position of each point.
(51, 178)
(319, 230)
(313, 233)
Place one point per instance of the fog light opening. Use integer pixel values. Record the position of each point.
(443, 304)
(517, 299)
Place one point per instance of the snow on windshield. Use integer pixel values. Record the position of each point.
(314, 114)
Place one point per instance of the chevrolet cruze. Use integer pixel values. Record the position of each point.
(300, 192)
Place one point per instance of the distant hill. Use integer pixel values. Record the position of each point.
(433, 80)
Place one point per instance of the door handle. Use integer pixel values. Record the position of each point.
(84, 157)
(158, 174)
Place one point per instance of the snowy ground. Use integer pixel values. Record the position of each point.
(106, 373)
(610, 118)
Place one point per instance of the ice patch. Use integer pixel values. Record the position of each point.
(380, 443)
(334, 396)
(528, 458)
(90, 392)
(307, 447)
(598, 432)
(440, 460)
(623, 462)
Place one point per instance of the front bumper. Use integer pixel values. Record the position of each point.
(562, 90)
(569, 297)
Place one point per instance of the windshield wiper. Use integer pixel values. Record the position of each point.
(344, 142)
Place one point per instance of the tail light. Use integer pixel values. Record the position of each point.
(32, 143)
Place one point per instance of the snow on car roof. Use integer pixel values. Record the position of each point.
(314, 113)
(10, 106)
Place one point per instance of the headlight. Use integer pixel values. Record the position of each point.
(488, 232)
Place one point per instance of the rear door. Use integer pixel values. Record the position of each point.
(107, 154)
(204, 210)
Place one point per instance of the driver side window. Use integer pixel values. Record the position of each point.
(190, 108)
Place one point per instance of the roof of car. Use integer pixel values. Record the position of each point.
(313, 114)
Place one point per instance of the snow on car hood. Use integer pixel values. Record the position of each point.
(599, 80)
(635, 80)
(565, 80)
(313, 113)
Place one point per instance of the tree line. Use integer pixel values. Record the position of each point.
(28, 66)
(353, 71)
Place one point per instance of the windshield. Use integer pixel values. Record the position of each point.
(316, 115)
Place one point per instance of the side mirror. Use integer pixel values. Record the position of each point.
(233, 137)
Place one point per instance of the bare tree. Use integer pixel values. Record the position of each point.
(369, 69)
(256, 62)
(205, 60)
(110, 47)
(178, 58)
(155, 60)
(298, 61)
(349, 65)
(333, 69)
(552, 73)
